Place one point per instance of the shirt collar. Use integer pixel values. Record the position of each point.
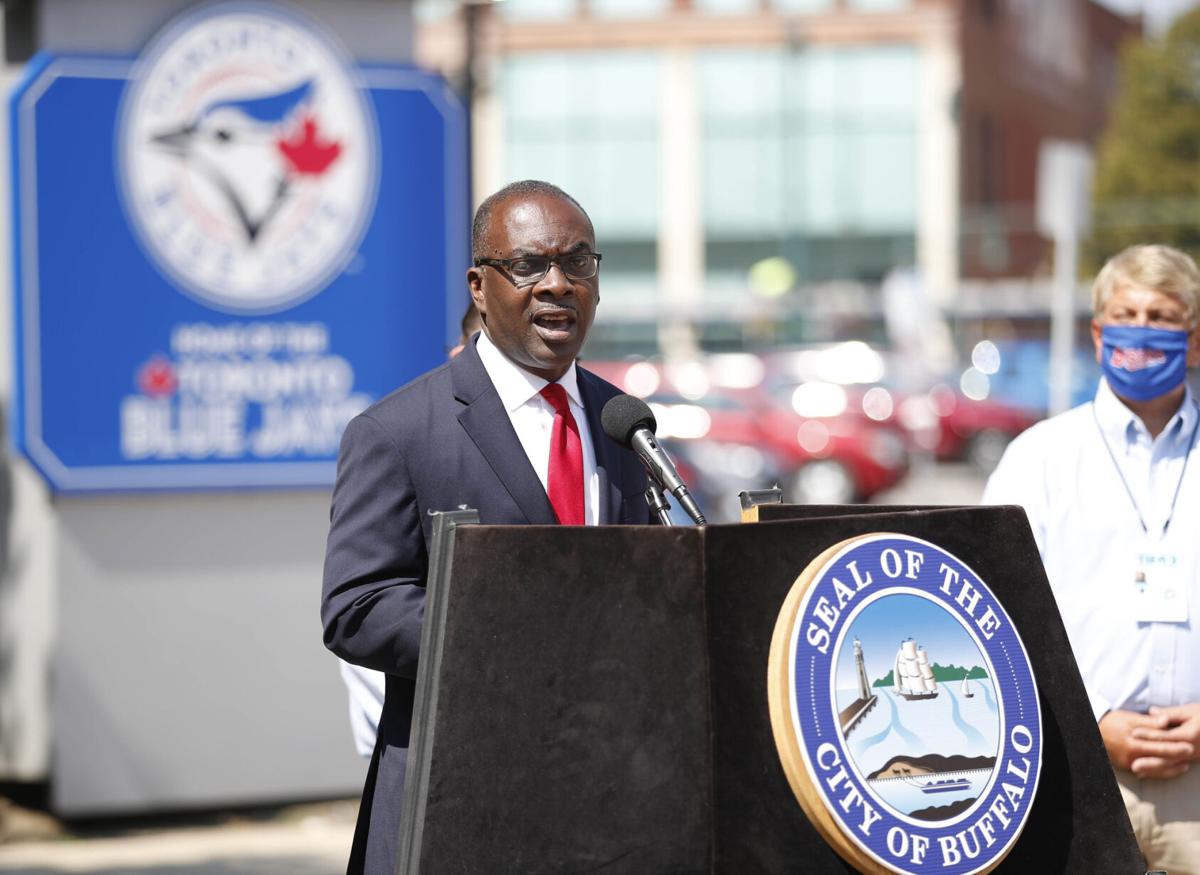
(515, 385)
(1119, 423)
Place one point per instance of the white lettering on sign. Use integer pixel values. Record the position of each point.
(154, 428)
(968, 597)
(824, 612)
(259, 389)
(251, 338)
(981, 833)
(900, 841)
(266, 379)
(830, 760)
(311, 429)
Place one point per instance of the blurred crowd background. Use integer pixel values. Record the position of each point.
(847, 246)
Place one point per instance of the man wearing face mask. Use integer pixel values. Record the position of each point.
(1112, 492)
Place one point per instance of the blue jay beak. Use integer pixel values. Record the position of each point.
(177, 141)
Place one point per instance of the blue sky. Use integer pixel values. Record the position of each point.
(883, 624)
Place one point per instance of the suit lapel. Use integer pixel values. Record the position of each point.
(608, 459)
(486, 422)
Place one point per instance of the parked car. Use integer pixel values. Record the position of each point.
(974, 430)
(1004, 391)
(716, 471)
(943, 420)
(821, 460)
(1021, 376)
(839, 453)
(827, 457)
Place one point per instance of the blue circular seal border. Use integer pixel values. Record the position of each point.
(871, 567)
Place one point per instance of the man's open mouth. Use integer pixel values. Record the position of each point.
(554, 322)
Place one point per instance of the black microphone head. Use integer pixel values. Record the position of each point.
(623, 415)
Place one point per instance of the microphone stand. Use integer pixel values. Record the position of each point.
(658, 502)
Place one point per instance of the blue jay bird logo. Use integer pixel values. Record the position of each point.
(237, 145)
(247, 157)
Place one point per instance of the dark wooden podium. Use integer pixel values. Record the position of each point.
(595, 700)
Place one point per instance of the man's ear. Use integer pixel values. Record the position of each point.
(475, 285)
(1097, 342)
(1193, 350)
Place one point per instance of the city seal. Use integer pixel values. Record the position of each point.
(904, 708)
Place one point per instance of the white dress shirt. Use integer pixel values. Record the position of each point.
(366, 687)
(1088, 526)
(532, 418)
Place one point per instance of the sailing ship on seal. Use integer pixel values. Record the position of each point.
(913, 676)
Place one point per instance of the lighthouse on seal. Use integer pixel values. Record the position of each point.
(864, 688)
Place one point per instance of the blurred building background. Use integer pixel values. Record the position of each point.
(823, 267)
(844, 193)
(758, 167)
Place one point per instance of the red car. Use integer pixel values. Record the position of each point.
(825, 459)
(941, 421)
(977, 431)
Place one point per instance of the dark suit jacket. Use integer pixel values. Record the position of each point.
(442, 442)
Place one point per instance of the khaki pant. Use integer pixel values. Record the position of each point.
(1166, 819)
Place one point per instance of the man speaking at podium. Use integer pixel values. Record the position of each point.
(510, 427)
(1112, 492)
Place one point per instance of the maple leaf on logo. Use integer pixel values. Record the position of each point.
(156, 378)
(306, 152)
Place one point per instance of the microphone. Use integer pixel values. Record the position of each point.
(630, 422)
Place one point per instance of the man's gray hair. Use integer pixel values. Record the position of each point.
(1152, 266)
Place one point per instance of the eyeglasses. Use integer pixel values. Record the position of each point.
(529, 269)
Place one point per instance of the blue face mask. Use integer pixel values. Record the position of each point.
(1143, 363)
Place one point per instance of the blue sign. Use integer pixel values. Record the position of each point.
(225, 249)
(905, 709)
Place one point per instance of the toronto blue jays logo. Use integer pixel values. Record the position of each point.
(905, 709)
(247, 157)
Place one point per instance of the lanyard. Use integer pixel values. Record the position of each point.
(1129, 492)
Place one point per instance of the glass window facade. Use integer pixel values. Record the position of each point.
(879, 5)
(809, 154)
(727, 7)
(629, 8)
(538, 10)
(803, 6)
(589, 124)
(428, 11)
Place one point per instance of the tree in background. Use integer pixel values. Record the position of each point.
(1147, 186)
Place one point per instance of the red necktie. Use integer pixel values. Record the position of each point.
(564, 480)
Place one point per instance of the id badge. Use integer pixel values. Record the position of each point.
(1159, 589)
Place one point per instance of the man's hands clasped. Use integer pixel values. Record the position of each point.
(1161, 744)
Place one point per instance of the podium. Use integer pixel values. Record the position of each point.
(596, 699)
